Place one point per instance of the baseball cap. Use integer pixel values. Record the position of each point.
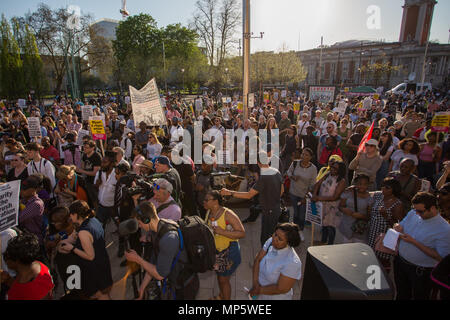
(163, 183)
(372, 142)
(163, 160)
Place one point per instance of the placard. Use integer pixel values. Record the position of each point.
(296, 107)
(251, 100)
(146, 105)
(441, 122)
(97, 128)
(314, 212)
(127, 100)
(367, 103)
(82, 133)
(9, 205)
(34, 127)
(266, 96)
(283, 93)
(86, 112)
(321, 93)
(240, 106)
(199, 105)
(340, 109)
(22, 103)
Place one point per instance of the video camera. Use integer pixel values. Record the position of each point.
(143, 184)
(220, 180)
(71, 146)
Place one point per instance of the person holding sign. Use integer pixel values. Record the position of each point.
(328, 190)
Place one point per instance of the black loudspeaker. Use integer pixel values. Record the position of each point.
(344, 272)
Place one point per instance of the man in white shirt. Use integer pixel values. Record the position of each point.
(120, 156)
(303, 124)
(323, 127)
(105, 181)
(38, 164)
(176, 131)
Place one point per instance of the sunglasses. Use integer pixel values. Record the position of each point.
(156, 186)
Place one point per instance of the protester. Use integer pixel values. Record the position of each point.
(408, 148)
(277, 266)
(424, 242)
(367, 162)
(228, 229)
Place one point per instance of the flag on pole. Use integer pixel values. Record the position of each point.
(367, 137)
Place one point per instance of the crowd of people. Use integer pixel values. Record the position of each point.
(73, 190)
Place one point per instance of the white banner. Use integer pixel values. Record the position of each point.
(86, 112)
(9, 204)
(342, 106)
(283, 93)
(367, 103)
(323, 94)
(147, 105)
(314, 215)
(34, 127)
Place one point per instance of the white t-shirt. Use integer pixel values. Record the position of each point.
(176, 133)
(107, 188)
(302, 125)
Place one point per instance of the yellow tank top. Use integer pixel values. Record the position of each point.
(221, 242)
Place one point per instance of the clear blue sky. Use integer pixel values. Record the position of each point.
(283, 21)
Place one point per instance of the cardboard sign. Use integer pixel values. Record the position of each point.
(441, 122)
(82, 133)
(9, 205)
(284, 93)
(199, 105)
(86, 112)
(251, 100)
(97, 128)
(296, 107)
(34, 127)
(340, 109)
(314, 212)
(266, 96)
(240, 106)
(127, 100)
(147, 106)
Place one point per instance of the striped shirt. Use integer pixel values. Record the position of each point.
(30, 218)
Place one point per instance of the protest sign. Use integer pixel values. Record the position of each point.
(367, 103)
(9, 204)
(22, 103)
(199, 105)
(97, 128)
(266, 96)
(240, 106)
(322, 93)
(82, 133)
(441, 122)
(296, 107)
(127, 100)
(275, 96)
(251, 100)
(147, 106)
(340, 109)
(34, 127)
(376, 96)
(86, 112)
(314, 212)
(283, 93)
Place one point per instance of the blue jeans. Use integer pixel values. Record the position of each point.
(299, 211)
(328, 235)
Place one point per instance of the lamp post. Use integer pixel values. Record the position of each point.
(226, 82)
(182, 71)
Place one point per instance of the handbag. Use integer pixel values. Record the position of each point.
(381, 248)
(359, 226)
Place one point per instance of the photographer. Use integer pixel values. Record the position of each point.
(162, 165)
(166, 206)
(72, 152)
(167, 261)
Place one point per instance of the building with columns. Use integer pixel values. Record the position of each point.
(342, 63)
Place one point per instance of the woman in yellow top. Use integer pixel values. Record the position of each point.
(227, 229)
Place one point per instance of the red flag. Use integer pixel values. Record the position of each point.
(367, 137)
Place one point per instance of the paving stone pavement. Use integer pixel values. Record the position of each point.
(250, 246)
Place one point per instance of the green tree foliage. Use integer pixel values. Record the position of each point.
(378, 71)
(139, 53)
(33, 67)
(11, 74)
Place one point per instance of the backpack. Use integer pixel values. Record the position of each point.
(197, 238)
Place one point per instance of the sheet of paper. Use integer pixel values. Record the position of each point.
(390, 239)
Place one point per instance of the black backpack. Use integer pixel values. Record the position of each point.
(198, 240)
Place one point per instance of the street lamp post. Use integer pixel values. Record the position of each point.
(182, 71)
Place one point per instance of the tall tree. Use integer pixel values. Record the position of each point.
(11, 74)
(33, 67)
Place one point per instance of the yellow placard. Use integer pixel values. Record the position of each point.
(240, 106)
(376, 96)
(441, 122)
(296, 107)
(346, 89)
(97, 129)
(266, 97)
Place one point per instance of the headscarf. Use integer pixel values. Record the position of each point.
(325, 170)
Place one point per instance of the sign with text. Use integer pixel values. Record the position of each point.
(251, 100)
(9, 205)
(199, 105)
(322, 93)
(147, 105)
(314, 212)
(86, 112)
(266, 96)
(97, 128)
(296, 107)
(82, 133)
(441, 122)
(34, 127)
